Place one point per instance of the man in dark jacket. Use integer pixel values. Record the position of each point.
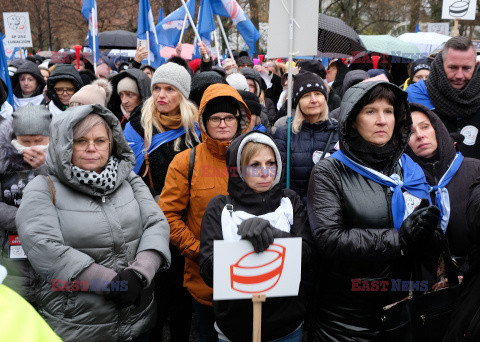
(454, 89)
(61, 85)
(130, 89)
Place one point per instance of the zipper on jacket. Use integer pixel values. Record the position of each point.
(103, 199)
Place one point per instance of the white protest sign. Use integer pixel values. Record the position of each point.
(305, 28)
(17, 29)
(459, 9)
(239, 272)
(441, 28)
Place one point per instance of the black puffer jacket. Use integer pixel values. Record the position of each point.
(32, 69)
(159, 159)
(62, 72)
(305, 146)
(458, 187)
(352, 226)
(143, 85)
(280, 316)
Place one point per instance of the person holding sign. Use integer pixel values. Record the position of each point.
(257, 209)
(361, 207)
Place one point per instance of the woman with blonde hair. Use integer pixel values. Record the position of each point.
(313, 134)
(167, 125)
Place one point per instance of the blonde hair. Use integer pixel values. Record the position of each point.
(84, 126)
(250, 149)
(299, 118)
(188, 112)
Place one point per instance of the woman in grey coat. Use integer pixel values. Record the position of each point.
(92, 232)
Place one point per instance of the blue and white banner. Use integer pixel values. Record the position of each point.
(89, 11)
(170, 28)
(146, 31)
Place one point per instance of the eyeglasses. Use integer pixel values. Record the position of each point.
(83, 144)
(229, 120)
(68, 91)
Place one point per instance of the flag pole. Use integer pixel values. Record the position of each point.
(289, 92)
(224, 36)
(193, 25)
(183, 28)
(216, 47)
(94, 41)
(148, 46)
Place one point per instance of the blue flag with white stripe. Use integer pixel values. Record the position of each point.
(170, 28)
(231, 8)
(89, 11)
(146, 28)
(160, 17)
(205, 26)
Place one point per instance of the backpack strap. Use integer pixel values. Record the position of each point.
(191, 165)
(229, 204)
(147, 164)
(327, 146)
(52, 189)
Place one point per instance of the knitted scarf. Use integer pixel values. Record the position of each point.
(450, 102)
(169, 121)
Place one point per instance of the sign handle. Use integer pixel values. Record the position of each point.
(257, 300)
(455, 27)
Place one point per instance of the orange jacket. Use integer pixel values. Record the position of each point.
(209, 179)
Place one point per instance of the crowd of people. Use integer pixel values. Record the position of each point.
(115, 185)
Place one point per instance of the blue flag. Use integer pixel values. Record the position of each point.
(4, 73)
(231, 8)
(205, 25)
(146, 27)
(160, 16)
(89, 11)
(170, 28)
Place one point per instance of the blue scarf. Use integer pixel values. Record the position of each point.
(137, 143)
(413, 181)
(442, 199)
(260, 128)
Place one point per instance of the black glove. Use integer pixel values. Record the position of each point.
(418, 226)
(258, 232)
(125, 289)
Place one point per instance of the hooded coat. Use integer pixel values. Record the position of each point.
(32, 69)
(85, 226)
(143, 84)
(351, 221)
(280, 316)
(184, 204)
(15, 173)
(458, 187)
(62, 72)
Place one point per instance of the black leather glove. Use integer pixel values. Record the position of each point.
(125, 289)
(418, 226)
(258, 232)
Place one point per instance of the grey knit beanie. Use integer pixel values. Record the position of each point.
(31, 120)
(175, 75)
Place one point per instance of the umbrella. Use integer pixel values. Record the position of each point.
(392, 46)
(336, 37)
(118, 39)
(426, 42)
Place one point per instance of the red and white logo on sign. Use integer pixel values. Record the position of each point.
(247, 276)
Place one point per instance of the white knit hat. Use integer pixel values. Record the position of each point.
(175, 75)
(237, 81)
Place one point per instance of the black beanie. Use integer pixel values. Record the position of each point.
(252, 102)
(419, 64)
(313, 66)
(245, 60)
(306, 82)
(221, 104)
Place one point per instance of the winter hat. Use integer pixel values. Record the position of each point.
(201, 81)
(238, 81)
(127, 84)
(255, 75)
(103, 70)
(195, 64)
(419, 64)
(306, 82)
(221, 104)
(175, 75)
(313, 66)
(245, 60)
(90, 94)
(227, 62)
(31, 120)
(252, 102)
